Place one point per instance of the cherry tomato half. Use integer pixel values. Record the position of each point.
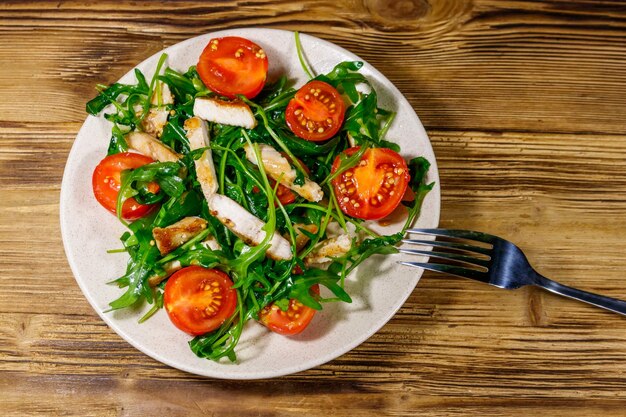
(284, 194)
(290, 322)
(232, 65)
(316, 112)
(374, 187)
(106, 184)
(198, 300)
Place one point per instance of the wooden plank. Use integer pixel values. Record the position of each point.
(524, 104)
(464, 66)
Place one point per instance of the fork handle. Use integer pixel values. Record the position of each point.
(608, 303)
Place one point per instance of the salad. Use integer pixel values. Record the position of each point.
(243, 197)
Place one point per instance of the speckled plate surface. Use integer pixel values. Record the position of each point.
(378, 287)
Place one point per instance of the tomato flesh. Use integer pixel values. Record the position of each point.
(199, 300)
(290, 322)
(316, 112)
(232, 65)
(374, 187)
(106, 182)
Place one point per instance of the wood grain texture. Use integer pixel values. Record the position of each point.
(524, 103)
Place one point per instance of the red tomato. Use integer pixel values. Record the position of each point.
(290, 322)
(374, 187)
(316, 112)
(284, 194)
(198, 300)
(106, 184)
(233, 65)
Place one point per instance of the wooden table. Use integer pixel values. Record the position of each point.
(525, 105)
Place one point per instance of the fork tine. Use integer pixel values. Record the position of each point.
(450, 269)
(452, 256)
(463, 234)
(452, 245)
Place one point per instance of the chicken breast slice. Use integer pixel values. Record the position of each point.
(338, 243)
(234, 113)
(150, 146)
(328, 249)
(301, 238)
(155, 120)
(171, 237)
(198, 135)
(247, 227)
(279, 169)
(172, 266)
(169, 268)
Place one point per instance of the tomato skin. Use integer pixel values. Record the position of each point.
(290, 322)
(319, 106)
(374, 187)
(232, 65)
(191, 299)
(284, 194)
(106, 183)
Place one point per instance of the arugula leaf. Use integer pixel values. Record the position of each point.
(418, 168)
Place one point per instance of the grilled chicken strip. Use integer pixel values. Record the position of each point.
(301, 238)
(328, 249)
(198, 135)
(234, 113)
(156, 118)
(170, 267)
(151, 146)
(247, 227)
(339, 242)
(278, 167)
(169, 238)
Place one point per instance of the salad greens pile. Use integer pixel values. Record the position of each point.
(257, 279)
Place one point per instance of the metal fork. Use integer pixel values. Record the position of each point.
(499, 263)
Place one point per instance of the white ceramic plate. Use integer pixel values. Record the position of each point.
(379, 287)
